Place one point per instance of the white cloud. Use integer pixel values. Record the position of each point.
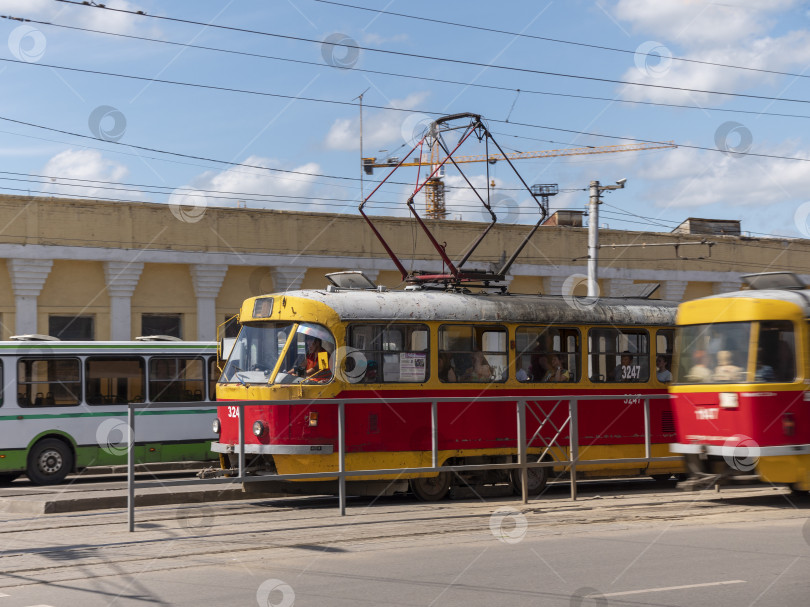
(262, 185)
(380, 128)
(716, 33)
(701, 178)
(86, 165)
(702, 24)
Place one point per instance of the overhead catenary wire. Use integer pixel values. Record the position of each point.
(434, 58)
(560, 40)
(422, 78)
(350, 103)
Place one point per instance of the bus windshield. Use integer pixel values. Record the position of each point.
(714, 353)
(259, 347)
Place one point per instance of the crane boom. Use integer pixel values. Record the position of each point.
(371, 163)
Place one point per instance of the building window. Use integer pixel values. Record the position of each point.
(162, 324)
(72, 328)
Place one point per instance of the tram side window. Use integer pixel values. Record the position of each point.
(393, 353)
(472, 353)
(664, 340)
(776, 354)
(173, 380)
(618, 355)
(52, 382)
(547, 354)
(114, 381)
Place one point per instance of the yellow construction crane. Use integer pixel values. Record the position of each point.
(434, 187)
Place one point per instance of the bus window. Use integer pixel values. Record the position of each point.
(114, 381)
(472, 353)
(547, 354)
(618, 355)
(664, 340)
(173, 380)
(392, 353)
(52, 382)
(713, 353)
(776, 359)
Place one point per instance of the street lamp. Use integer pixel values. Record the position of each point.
(593, 232)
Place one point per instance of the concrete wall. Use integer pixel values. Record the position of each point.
(121, 260)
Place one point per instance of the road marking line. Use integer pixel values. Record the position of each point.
(673, 588)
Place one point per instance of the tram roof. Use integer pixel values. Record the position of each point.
(490, 307)
(800, 298)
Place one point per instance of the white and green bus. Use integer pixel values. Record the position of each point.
(63, 406)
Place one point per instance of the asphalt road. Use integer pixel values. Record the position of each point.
(748, 546)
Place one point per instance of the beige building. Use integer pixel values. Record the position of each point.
(111, 270)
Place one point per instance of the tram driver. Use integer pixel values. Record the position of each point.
(316, 358)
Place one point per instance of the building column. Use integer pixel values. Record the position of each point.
(725, 286)
(287, 278)
(207, 280)
(122, 278)
(673, 290)
(27, 279)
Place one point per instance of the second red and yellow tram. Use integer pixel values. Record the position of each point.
(740, 390)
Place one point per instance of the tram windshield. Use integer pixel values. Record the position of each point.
(714, 353)
(305, 350)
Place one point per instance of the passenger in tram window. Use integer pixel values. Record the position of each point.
(446, 372)
(521, 374)
(557, 371)
(539, 364)
(726, 370)
(662, 373)
(626, 371)
(480, 370)
(700, 372)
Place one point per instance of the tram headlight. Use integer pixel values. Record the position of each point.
(258, 428)
(216, 426)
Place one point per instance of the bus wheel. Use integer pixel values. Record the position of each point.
(538, 477)
(7, 477)
(431, 489)
(49, 462)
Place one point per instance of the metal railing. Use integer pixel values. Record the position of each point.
(571, 422)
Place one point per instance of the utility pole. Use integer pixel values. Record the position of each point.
(593, 233)
(360, 97)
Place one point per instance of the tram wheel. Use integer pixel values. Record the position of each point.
(538, 478)
(7, 477)
(660, 478)
(49, 462)
(431, 489)
(795, 491)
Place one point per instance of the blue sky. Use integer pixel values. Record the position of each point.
(770, 195)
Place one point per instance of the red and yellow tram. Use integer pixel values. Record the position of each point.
(315, 346)
(740, 390)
